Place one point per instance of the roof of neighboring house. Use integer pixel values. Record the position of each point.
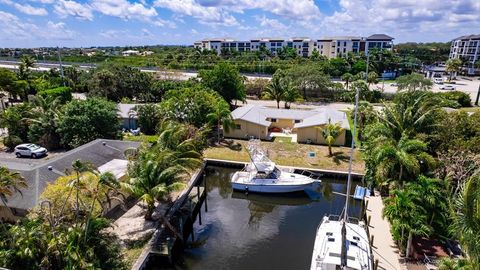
(380, 37)
(37, 175)
(259, 115)
(322, 116)
(125, 110)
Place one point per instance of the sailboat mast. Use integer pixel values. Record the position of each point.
(354, 130)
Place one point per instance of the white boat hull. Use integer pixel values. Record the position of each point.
(288, 182)
(270, 188)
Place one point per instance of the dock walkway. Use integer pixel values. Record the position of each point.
(384, 248)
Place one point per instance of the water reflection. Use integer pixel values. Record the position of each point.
(257, 231)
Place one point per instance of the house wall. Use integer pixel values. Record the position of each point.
(314, 134)
(247, 129)
(129, 123)
(283, 123)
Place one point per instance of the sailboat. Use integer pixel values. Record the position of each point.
(341, 242)
(263, 176)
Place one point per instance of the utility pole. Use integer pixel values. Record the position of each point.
(478, 96)
(61, 67)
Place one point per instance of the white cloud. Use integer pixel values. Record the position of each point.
(58, 31)
(205, 14)
(407, 19)
(219, 11)
(65, 8)
(123, 9)
(44, 1)
(271, 23)
(12, 27)
(26, 8)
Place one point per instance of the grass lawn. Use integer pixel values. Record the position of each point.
(141, 138)
(281, 139)
(291, 154)
(470, 109)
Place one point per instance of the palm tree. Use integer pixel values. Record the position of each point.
(453, 66)
(429, 192)
(412, 112)
(413, 82)
(276, 89)
(24, 73)
(221, 117)
(154, 182)
(448, 263)
(466, 219)
(407, 218)
(291, 93)
(10, 183)
(404, 156)
(43, 120)
(158, 170)
(330, 133)
(347, 77)
(372, 77)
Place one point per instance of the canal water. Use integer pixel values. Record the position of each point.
(256, 231)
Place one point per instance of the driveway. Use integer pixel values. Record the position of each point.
(9, 159)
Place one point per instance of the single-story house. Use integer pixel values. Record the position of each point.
(128, 117)
(106, 155)
(260, 122)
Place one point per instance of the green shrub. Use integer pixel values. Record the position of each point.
(461, 98)
(64, 93)
(11, 141)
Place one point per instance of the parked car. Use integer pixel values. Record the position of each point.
(30, 150)
(438, 80)
(393, 84)
(447, 87)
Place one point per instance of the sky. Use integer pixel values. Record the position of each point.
(85, 23)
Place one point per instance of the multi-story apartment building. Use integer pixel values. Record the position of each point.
(468, 49)
(330, 47)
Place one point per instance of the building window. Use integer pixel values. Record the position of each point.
(297, 121)
(344, 43)
(344, 50)
(273, 120)
(238, 126)
(338, 43)
(279, 44)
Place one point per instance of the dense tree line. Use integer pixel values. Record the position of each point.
(411, 152)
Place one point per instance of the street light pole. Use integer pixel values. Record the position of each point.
(478, 96)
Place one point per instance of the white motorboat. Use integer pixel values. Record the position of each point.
(342, 242)
(262, 175)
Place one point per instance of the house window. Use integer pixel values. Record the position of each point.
(273, 120)
(297, 121)
(238, 126)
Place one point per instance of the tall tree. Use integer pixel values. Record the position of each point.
(453, 66)
(330, 133)
(221, 117)
(413, 82)
(347, 78)
(86, 120)
(466, 216)
(10, 183)
(277, 87)
(407, 218)
(395, 160)
(225, 79)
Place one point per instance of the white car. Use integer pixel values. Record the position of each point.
(30, 150)
(447, 87)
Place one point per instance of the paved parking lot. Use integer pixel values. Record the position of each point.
(469, 87)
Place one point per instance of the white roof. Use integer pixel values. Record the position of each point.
(117, 167)
(259, 115)
(322, 116)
